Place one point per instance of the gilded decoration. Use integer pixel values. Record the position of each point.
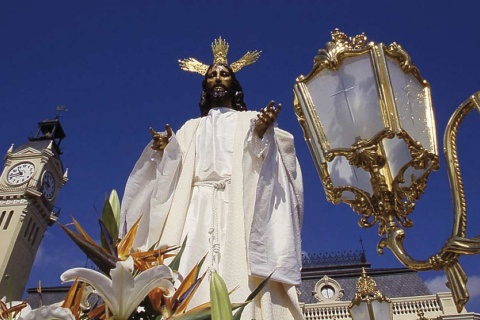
(367, 290)
(300, 117)
(392, 199)
(397, 52)
(340, 47)
(220, 52)
(395, 187)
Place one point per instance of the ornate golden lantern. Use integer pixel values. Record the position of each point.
(368, 303)
(367, 117)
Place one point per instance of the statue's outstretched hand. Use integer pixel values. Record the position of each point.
(160, 139)
(266, 117)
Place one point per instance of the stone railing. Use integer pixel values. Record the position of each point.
(334, 310)
(407, 308)
(404, 308)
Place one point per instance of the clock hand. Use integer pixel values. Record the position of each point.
(16, 174)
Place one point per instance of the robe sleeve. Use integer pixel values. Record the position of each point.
(149, 191)
(258, 146)
(275, 234)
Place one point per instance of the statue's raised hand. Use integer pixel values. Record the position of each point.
(266, 117)
(160, 139)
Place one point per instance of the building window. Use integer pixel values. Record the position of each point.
(31, 232)
(327, 289)
(2, 217)
(9, 218)
(28, 227)
(35, 236)
(327, 292)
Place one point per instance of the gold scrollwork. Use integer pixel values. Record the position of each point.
(396, 51)
(405, 197)
(367, 291)
(300, 117)
(331, 56)
(336, 51)
(330, 192)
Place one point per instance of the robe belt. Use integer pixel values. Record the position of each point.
(214, 239)
(216, 184)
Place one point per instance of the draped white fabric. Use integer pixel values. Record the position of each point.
(239, 200)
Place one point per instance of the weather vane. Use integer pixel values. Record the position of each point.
(61, 108)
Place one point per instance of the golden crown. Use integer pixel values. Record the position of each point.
(220, 51)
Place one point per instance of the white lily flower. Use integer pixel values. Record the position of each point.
(49, 313)
(84, 303)
(123, 293)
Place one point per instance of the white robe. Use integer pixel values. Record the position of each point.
(231, 193)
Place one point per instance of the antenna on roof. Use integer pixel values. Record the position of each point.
(61, 108)
(361, 242)
(364, 256)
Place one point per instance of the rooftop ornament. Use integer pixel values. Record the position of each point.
(367, 117)
(368, 303)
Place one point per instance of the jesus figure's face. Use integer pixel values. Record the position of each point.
(219, 81)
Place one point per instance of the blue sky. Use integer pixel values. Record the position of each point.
(114, 65)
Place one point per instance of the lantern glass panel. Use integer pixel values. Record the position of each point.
(360, 311)
(381, 310)
(413, 106)
(378, 310)
(344, 174)
(346, 101)
(397, 155)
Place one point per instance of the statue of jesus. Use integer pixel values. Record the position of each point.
(230, 182)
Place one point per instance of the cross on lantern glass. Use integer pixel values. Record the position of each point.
(367, 117)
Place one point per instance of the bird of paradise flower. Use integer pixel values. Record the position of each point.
(135, 275)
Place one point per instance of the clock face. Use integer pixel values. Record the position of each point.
(48, 185)
(20, 173)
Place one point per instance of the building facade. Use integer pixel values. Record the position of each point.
(329, 283)
(29, 186)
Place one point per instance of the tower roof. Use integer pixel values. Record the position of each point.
(346, 267)
(50, 130)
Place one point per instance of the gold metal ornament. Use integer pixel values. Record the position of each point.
(368, 294)
(367, 290)
(367, 117)
(220, 52)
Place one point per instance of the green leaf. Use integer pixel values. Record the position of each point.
(115, 204)
(252, 296)
(221, 306)
(108, 219)
(174, 265)
(203, 312)
(199, 314)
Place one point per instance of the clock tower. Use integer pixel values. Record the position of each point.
(29, 185)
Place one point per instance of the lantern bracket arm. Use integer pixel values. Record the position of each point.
(445, 259)
(359, 144)
(453, 169)
(457, 244)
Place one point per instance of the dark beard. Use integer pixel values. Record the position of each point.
(219, 96)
